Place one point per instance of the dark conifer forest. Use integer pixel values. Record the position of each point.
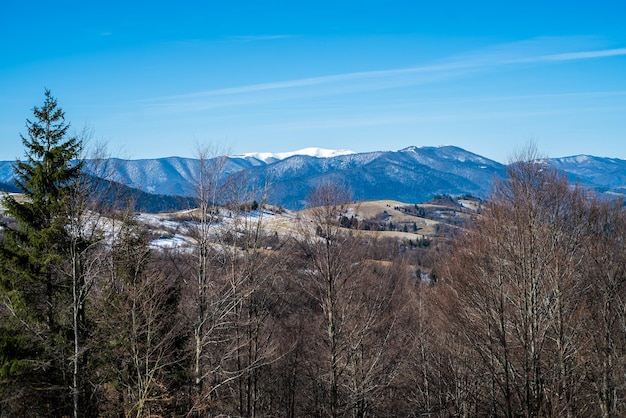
(523, 313)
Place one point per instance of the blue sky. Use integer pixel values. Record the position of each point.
(152, 79)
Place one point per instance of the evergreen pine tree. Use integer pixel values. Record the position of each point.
(35, 311)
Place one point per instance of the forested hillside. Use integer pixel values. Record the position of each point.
(523, 312)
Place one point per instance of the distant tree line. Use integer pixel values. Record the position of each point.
(526, 317)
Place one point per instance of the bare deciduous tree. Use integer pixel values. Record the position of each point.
(605, 314)
(233, 291)
(513, 292)
(138, 328)
(356, 332)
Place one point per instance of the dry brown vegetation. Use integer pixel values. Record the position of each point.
(512, 307)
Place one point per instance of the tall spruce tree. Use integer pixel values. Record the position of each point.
(36, 327)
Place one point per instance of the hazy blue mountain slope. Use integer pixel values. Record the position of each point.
(6, 172)
(167, 176)
(412, 174)
(599, 172)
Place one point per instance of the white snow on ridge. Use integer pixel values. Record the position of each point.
(269, 157)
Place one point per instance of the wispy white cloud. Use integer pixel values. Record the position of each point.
(330, 79)
(573, 56)
(454, 67)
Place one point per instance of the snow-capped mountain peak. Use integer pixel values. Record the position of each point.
(269, 157)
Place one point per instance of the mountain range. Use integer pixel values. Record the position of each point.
(413, 174)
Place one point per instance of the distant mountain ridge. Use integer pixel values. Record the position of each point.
(413, 174)
(272, 157)
(603, 174)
